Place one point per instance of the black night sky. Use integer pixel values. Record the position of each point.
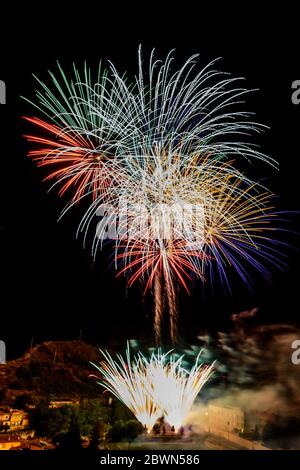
(50, 288)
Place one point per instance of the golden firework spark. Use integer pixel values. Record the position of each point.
(154, 387)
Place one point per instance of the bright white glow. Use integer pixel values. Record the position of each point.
(154, 387)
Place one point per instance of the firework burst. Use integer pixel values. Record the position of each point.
(165, 142)
(154, 387)
(200, 218)
(188, 110)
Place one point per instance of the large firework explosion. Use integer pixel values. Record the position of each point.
(154, 387)
(166, 140)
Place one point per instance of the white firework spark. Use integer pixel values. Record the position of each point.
(154, 387)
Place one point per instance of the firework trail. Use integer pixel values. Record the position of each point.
(127, 381)
(231, 231)
(154, 387)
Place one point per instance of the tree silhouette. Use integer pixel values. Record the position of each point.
(71, 440)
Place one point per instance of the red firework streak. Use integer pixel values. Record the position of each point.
(79, 165)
